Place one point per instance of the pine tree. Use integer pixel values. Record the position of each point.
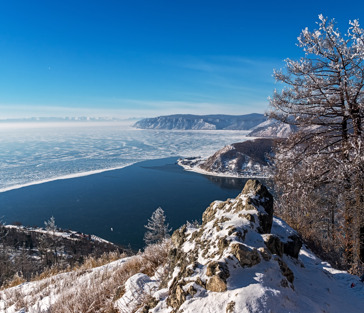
(54, 241)
(158, 229)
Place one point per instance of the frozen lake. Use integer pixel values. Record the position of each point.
(35, 153)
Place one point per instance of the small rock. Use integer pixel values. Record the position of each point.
(264, 253)
(230, 308)
(191, 291)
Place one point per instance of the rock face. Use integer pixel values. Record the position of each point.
(234, 237)
(202, 122)
(248, 158)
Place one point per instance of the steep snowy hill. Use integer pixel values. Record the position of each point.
(240, 260)
(242, 159)
(202, 122)
(272, 129)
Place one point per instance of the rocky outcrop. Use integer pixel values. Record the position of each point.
(234, 236)
(244, 159)
(202, 122)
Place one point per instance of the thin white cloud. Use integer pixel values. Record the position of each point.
(231, 77)
(126, 108)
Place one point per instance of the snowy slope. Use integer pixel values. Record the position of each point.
(53, 292)
(236, 262)
(272, 129)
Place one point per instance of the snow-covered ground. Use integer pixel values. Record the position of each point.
(232, 174)
(67, 234)
(39, 296)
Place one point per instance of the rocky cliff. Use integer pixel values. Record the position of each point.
(202, 122)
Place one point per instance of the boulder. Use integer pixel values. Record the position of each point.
(274, 244)
(245, 255)
(219, 272)
(293, 246)
(216, 284)
(257, 189)
(217, 268)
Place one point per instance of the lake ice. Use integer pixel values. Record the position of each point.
(43, 152)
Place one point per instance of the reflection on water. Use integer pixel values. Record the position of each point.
(237, 183)
(227, 182)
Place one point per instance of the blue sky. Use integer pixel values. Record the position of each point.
(147, 58)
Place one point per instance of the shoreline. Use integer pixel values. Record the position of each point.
(94, 172)
(198, 170)
(64, 177)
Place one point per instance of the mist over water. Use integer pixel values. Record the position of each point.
(35, 153)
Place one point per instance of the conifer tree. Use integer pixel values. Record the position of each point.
(158, 229)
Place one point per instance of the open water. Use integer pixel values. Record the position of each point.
(97, 198)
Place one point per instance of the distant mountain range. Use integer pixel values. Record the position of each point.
(202, 122)
(258, 124)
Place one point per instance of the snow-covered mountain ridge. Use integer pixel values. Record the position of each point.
(258, 124)
(202, 122)
(243, 159)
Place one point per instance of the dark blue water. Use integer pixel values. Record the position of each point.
(121, 200)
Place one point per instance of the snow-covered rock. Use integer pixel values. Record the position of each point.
(236, 261)
(137, 287)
